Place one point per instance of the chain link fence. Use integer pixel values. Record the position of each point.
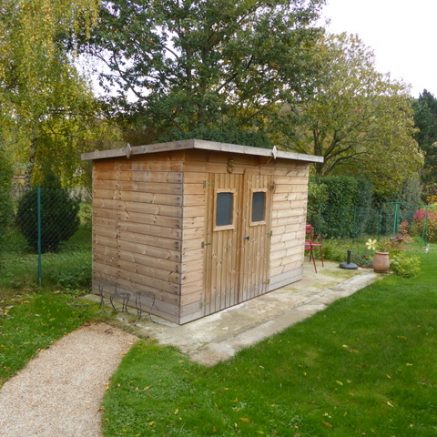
(47, 239)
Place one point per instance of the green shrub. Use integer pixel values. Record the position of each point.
(405, 265)
(339, 206)
(317, 199)
(59, 216)
(430, 219)
(6, 210)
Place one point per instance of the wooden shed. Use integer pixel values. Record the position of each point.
(189, 228)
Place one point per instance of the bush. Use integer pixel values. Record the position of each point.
(59, 217)
(317, 199)
(339, 206)
(6, 210)
(405, 265)
(418, 228)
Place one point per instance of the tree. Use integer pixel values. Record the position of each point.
(48, 113)
(59, 215)
(359, 120)
(425, 117)
(6, 210)
(204, 67)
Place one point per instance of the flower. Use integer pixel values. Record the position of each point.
(371, 244)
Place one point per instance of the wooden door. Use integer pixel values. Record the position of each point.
(256, 232)
(237, 249)
(223, 243)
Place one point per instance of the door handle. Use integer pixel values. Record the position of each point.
(247, 237)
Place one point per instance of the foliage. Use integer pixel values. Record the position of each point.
(317, 200)
(49, 114)
(425, 225)
(33, 322)
(425, 117)
(359, 120)
(6, 210)
(332, 374)
(68, 268)
(336, 250)
(59, 217)
(211, 67)
(339, 206)
(405, 265)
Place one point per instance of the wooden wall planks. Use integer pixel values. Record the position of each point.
(152, 213)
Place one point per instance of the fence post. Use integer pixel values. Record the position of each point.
(39, 234)
(395, 219)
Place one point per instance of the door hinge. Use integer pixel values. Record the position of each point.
(266, 282)
(204, 243)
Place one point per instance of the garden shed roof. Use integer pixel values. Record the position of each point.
(199, 145)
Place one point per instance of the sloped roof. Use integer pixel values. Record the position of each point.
(199, 145)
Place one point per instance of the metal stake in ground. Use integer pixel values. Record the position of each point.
(348, 265)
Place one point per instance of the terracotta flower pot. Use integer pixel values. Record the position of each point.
(381, 262)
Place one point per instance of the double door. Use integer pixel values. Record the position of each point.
(238, 239)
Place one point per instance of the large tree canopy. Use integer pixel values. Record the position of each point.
(425, 116)
(48, 112)
(187, 66)
(359, 120)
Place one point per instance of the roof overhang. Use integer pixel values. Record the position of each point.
(199, 145)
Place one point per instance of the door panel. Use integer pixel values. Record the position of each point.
(223, 243)
(255, 254)
(237, 249)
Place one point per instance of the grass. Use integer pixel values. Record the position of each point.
(33, 322)
(365, 366)
(69, 268)
(30, 318)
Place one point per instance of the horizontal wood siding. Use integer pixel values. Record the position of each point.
(150, 217)
(289, 207)
(138, 230)
(194, 228)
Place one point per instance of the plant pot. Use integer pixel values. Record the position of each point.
(381, 262)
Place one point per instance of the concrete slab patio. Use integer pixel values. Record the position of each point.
(219, 336)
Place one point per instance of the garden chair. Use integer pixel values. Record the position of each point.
(313, 242)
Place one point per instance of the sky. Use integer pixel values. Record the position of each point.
(402, 34)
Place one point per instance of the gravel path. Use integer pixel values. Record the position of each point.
(60, 391)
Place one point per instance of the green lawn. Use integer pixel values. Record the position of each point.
(365, 366)
(34, 321)
(70, 267)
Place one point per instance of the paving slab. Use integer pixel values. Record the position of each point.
(219, 336)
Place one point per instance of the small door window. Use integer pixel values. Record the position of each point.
(224, 213)
(258, 206)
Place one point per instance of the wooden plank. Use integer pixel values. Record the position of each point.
(138, 175)
(139, 197)
(134, 217)
(213, 146)
(161, 307)
(142, 187)
(163, 265)
(142, 165)
(148, 240)
(128, 273)
(144, 208)
(157, 253)
(190, 189)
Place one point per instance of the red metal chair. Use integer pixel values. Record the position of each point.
(313, 242)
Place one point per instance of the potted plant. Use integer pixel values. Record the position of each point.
(381, 259)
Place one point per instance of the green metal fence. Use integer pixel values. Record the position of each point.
(47, 241)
